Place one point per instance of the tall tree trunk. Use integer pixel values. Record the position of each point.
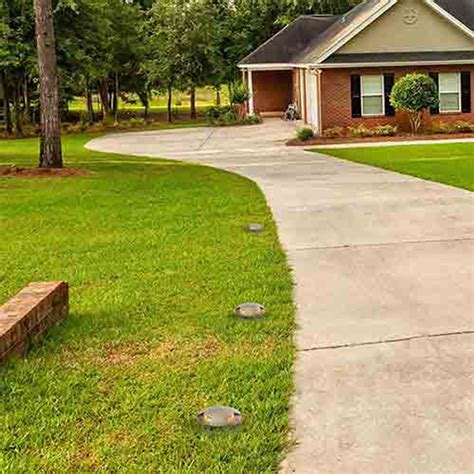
(104, 97)
(50, 138)
(27, 99)
(6, 98)
(116, 97)
(192, 99)
(8, 112)
(170, 100)
(17, 97)
(90, 104)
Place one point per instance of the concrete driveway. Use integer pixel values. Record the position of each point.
(383, 265)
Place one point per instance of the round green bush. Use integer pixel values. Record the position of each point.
(305, 133)
(414, 93)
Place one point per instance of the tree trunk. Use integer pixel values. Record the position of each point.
(192, 99)
(90, 104)
(115, 97)
(170, 100)
(17, 96)
(6, 97)
(104, 97)
(218, 96)
(50, 138)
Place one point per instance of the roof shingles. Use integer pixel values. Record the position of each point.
(309, 36)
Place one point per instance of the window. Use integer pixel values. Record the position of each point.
(372, 95)
(450, 92)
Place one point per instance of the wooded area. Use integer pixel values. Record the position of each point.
(116, 49)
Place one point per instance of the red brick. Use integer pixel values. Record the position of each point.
(336, 97)
(28, 314)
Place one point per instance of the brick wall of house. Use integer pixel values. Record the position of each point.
(273, 90)
(336, 97)
(28, 314)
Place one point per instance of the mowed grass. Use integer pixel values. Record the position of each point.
(451, 163)
(156, 258)
(205, 98)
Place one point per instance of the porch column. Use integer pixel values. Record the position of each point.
(250, 88)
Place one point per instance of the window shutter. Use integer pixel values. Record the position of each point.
(435, 77)
(389, 81)
(356, 96)
(466, 92)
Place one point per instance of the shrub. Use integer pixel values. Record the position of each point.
(222, 115)
(334, 132)
(449, 128)
(361, 131)
(464, 127)
(385, 131)
(414, 93)
(252, 119)
(239, 94)
(305, 133)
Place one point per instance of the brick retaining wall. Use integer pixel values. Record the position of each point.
(28, 314)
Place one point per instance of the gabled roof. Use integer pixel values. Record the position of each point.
(349, 23)
(290, 41)
(313, 38)
(463, 10)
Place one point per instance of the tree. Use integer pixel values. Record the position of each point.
(50, 137)
(414, 93)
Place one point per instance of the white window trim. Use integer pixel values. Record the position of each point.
(458, 92)
(362, 95)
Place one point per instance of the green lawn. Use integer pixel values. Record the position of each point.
(205, 97)
(157, 258)
(451, 163)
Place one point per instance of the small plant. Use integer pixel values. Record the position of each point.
(385, 131)
(361, 131)
(464, 127)
(83, 124)
(240, 94)
(305, 133)
(414, 94)
(334, 132)
(252, 119)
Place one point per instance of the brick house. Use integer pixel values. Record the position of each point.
(339, 70)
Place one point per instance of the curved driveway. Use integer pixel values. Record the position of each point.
(383, 265)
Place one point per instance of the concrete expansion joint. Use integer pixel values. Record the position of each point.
(382, 244)
(388, 341)
(206, 140)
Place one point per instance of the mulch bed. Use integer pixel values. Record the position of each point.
(397, 138)
(15, 171)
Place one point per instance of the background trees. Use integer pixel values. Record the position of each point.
(112, 51)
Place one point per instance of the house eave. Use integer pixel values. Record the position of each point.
(389, 64)
(267, 67)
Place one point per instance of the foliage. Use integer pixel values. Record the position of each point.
(414, 93)
(460, 126)
(449, 163)
(149, 340)
(227, 115)
(305, 133)
(114, 48)
(362, 131)
(239, 94)
(333, 132)
(252, 119)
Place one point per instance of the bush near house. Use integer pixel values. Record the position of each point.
(362, 131)
(414, 93)
(305, 133)
(460, 126)
(227, 115)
